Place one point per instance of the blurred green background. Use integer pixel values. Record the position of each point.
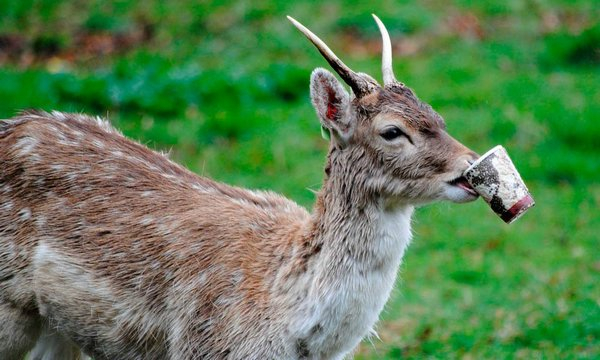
(224, 86)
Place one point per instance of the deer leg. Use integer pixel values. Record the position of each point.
(18, 332)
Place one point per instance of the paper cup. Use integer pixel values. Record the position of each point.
(495, 178)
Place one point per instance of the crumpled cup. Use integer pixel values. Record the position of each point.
(495, 178)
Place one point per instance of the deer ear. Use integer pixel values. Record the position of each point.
(331, 101)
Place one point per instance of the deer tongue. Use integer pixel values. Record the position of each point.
(462, 183)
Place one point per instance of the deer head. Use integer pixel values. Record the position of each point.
(390, 144)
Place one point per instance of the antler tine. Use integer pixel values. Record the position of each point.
(359, 85)
(386, 55)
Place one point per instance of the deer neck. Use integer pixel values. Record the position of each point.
(367, 234)
(360, 240)
(357, 226)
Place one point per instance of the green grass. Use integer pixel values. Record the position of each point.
(225, 87)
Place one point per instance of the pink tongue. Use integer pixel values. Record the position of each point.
(465, 185)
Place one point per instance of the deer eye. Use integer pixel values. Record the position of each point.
(392, 133)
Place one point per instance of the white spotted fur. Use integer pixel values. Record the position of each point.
(112, 250)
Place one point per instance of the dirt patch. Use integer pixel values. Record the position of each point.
(80, 46)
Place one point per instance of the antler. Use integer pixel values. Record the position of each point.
(386, 55)
(359, 84)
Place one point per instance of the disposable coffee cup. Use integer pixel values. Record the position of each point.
(495, 178)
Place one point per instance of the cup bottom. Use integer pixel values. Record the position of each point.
(517, 209)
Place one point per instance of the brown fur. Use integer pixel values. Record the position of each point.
(109, 246)
(127, 214)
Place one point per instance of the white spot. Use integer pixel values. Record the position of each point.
(259, 195)
(224, 300)
(137, 246)
(201, 280)
(203, 189)
(172, 178)
(165, 231)
(25, 145)
(42, 252)
(7, 205)
(105, 125)
(137, 160)
(241, 202)
(97, 143)
(78, 134)
(147, 220)
(58, 115)
(237, 277)
(52, 128)
(40, 221)
(62, 139)
(68, 142)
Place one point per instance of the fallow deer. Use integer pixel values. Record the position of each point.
(110, 249)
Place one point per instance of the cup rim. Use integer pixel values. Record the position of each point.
(518, 209)
(483, 157)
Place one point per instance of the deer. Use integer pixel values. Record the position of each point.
(108, 249)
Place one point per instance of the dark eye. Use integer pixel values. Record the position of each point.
(391, 133)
